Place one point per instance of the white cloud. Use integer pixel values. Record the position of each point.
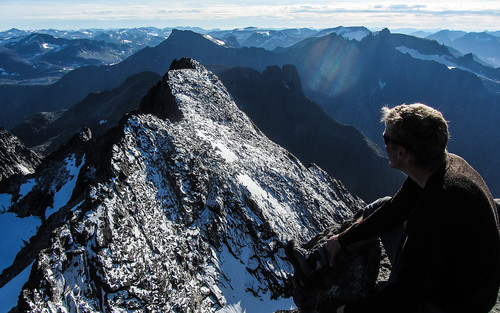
(467, 15)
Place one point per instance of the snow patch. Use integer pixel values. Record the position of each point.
(10, 292)
(443, 59)
(275, 212)
(239, 299)
(427, 57)
(23, 169)
(227, 154)
(48, 46)
(3, 72)
(26, 187)
(13, 233)
(216, 41)
(62, 196)
(356, 35)
(5, 200)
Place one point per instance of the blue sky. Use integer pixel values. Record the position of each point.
(423, 14)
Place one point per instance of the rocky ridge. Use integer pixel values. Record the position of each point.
(184, 207)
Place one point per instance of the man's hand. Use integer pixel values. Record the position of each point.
(332, 248)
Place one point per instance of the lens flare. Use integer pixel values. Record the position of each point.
(331, 67)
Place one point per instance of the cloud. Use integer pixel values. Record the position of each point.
(226, 14)
(404, 7)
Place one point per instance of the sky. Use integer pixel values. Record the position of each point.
(467, 15)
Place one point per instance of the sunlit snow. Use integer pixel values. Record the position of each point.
(23, 169)
(239, 280)
(356, 35)
(428, 57)
(227, 154)
(216, 41)
(26, 187)
(63, 195)
(274, 210)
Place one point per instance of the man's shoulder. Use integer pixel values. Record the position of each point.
(463, 186)
(461, 177)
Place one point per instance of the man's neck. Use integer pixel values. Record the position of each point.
(419, 175)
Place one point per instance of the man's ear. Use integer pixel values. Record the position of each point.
(403, 153)
(405, 156)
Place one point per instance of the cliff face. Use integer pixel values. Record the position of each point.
(15, 158)
(183, 208)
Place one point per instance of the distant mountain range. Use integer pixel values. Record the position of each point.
(485, 45)
(45, 55)
(48, 54)
(349, 79)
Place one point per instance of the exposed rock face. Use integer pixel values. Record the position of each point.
(184, 214)
(15, 158)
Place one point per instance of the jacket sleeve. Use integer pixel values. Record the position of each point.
(390, 215)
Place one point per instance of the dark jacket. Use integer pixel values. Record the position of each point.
(451, 256)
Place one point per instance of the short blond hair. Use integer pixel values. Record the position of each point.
(422, 129)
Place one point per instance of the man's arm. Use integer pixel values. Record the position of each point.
(391, 214)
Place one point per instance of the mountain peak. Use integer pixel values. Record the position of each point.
(159, 100)
(191, 215)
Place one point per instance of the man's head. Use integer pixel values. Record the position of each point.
(418, 128)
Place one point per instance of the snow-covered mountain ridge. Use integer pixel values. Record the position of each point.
(184, 213)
